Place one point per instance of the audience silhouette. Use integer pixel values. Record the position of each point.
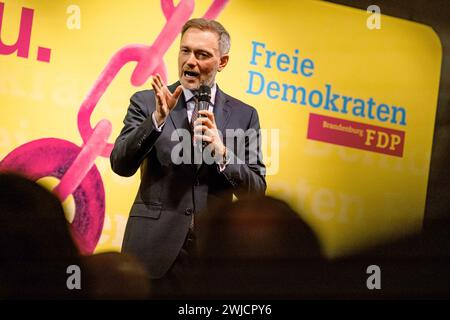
(36, 251)
(256, 248)
(35, 244)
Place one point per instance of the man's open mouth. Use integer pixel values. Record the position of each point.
(189, 74)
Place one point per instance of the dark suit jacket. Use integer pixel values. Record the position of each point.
(170, 193)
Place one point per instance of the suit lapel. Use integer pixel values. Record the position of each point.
(222, 110)
(179, 118)
(178, 115)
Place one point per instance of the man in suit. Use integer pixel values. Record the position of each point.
(161, 223)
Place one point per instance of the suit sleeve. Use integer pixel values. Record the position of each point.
(246, 172)
(137, 137)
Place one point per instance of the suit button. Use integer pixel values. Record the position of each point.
(188, 211)
(197, 183)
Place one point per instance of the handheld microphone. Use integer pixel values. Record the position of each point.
(204, 97)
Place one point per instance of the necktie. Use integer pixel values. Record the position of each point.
(195, 112)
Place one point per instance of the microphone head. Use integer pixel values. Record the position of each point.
(204, 93)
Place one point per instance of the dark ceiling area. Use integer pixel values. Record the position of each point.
(436, 14)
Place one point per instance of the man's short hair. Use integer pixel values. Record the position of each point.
(211, 25)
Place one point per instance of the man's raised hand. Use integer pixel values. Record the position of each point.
(165, 100)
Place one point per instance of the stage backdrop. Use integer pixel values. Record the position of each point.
(347, 102)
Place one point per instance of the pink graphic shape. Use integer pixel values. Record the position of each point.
(44, 54)
(84, 160)
(168, 8)
(214, 10)
(50, 157)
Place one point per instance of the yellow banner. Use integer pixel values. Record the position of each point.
(346, 98)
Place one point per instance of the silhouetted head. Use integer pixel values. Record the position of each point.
(255, 248)
(35, 244)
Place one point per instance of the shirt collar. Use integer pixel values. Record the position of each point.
(188, 94)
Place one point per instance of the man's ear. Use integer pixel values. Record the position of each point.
(223, 62)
